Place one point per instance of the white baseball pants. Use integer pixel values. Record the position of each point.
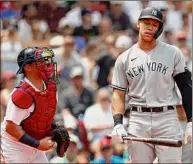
(16, 152)
(155, 125)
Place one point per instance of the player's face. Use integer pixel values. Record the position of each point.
(148, 28)
(31, 69)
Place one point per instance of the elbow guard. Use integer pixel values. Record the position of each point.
(184, 83)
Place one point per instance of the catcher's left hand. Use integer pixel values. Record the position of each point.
(61, 137)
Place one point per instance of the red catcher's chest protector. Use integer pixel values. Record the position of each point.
(38, 124)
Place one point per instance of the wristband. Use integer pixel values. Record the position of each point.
(118, 119)
(28, 140)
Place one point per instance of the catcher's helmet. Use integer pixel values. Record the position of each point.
(44, 60)
(26, 56)
(153, 13)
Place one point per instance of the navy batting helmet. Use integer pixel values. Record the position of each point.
(26, 56)
(153, 13)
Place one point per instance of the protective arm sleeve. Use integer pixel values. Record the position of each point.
(184, 83)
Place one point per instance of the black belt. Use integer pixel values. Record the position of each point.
(154, 109)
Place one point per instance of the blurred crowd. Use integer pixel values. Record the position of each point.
(86, 37)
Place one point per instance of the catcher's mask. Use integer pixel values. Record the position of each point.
(44, 59)
(153, 13)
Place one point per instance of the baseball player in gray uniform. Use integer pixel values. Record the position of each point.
(147, 72)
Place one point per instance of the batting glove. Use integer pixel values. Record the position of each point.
(119, 131)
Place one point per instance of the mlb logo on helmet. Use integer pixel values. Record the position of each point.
(154, 12)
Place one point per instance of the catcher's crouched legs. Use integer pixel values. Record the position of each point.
(141, 152)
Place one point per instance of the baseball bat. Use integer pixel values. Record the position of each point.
(155, 141)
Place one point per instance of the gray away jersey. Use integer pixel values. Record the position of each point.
(149, 76)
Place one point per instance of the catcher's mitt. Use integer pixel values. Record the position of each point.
(61, 137)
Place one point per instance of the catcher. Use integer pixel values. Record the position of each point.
(28, 129)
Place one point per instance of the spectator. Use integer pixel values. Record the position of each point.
(99, 6)
(8, 82)
(51, 13)
(86, 30)
(82, 157)
(70, 122)
(174, 15)
(109, 79)
(66, 29)
(74, 15)
(185, 23)
(89, 63)
(28, 14)
(120, 20)
(189, 9)
(123, 43)
(39, 35)
(11, 45)
(164, 9)
(133, 8)
(120, 150)
(106, 61)
(57, 43)
(9, 11)
(68, 58)
(181, 39)
(77, 97)
(99, 111)
(107, 155)
(105, 28)
(168, 36)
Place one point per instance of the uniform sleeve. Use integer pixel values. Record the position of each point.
(16, 114)
(119, 79)
(179, 62)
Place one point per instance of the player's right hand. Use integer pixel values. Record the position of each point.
(46, 144)
(119, 131)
